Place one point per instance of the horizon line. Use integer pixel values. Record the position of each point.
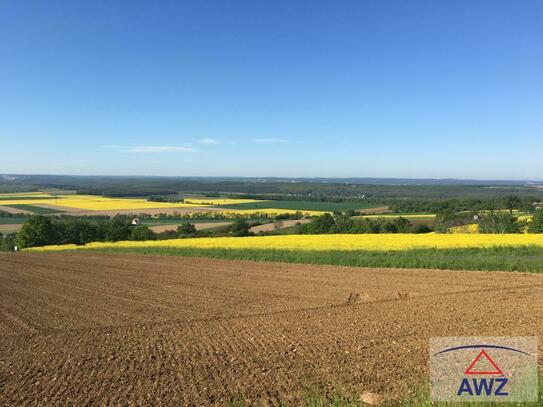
(534, 181)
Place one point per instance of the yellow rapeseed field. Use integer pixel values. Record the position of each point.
(471, 228)
(219, 201)
(236, 213)
(93, 202)
(99, 203)
(330, 242)
(96, 203)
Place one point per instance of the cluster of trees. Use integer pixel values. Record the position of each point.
(7, 242)
(41, 230)
(448, 218)
(472, 205)
(164, 198)
(345, 224)
(492, 222)
(536, 225)
(284, 216)
(499, 222)
(4, 214)
(238, 228)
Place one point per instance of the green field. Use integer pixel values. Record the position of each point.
(303, 205)
(35, 209)
(24, 198)
(12, 220)
(504, 258)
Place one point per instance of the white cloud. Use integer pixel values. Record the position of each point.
(159, 149)
(268, 140)
(208, 141)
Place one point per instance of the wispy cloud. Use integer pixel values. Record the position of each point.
(268, 140)
(208, 141)
(159, 149)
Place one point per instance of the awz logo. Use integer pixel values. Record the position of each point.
(483, 386)
(483, 369)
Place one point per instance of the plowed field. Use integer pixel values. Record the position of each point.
(97, 329)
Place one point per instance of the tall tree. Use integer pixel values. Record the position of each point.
(512, 202)
(37, 231)
(536, 225)
(240, 228)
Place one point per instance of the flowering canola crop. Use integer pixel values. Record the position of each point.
(224, 201)
(100, 203)
(93, 202)
(471, 228)
(376, 242)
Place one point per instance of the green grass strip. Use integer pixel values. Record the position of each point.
(525, 259)
(25, 198)
(418, 399)
(11, 220)
(35, 209)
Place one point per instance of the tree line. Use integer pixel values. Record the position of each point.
(473, 205)
(491, 222)
(39, 230)
(346, 224)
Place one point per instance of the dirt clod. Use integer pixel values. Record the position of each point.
(372, 399)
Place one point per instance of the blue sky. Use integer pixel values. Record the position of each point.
(418, 89)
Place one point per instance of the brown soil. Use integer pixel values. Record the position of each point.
(96, 329)
(198, 226)
(14, 210)
(10, 228)
(149, 211)
(267, 227)
(377, 210)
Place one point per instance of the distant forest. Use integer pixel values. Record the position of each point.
(316, 189)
